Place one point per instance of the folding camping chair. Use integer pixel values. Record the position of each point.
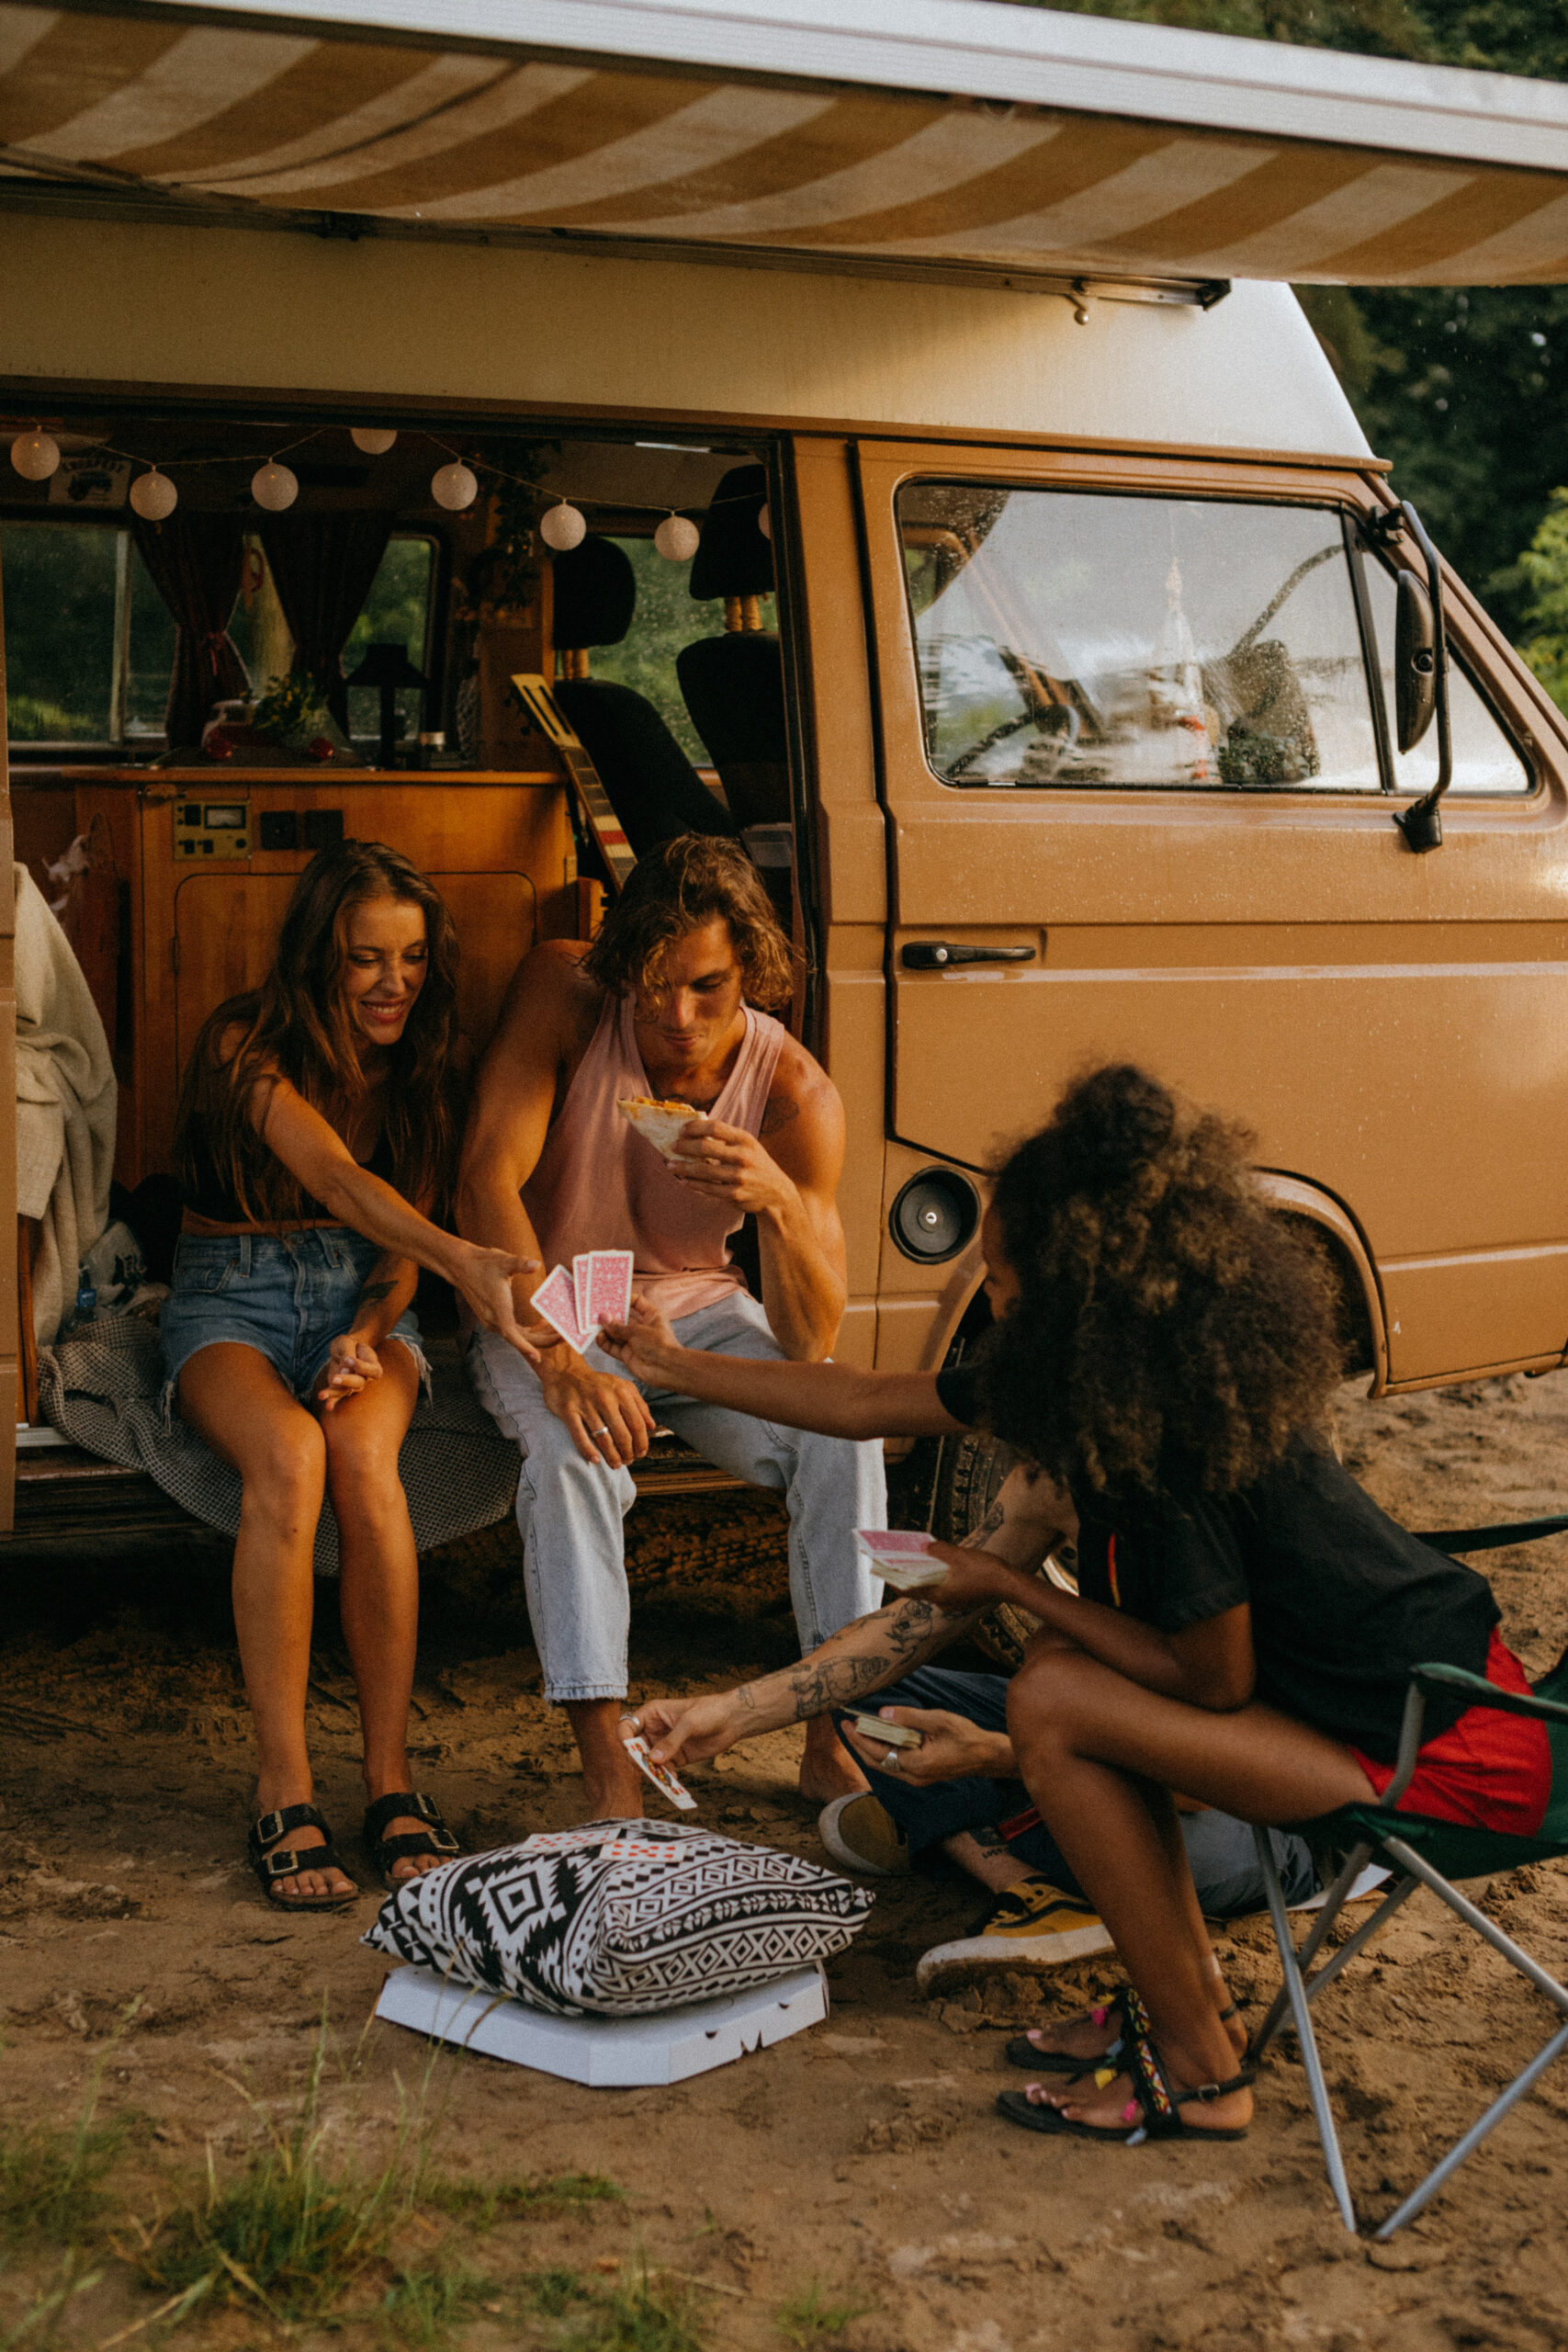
(1422, 1852)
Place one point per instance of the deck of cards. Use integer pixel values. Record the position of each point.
(597, 1290)
(901, 1557)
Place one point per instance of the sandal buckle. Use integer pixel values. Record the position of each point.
(269, 1827)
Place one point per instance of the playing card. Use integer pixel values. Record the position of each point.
(609, 1297)
(901, 1557)
(580, 1288)
(659, 1774)
(555, 1301)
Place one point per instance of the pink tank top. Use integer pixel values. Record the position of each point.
(600, 1185)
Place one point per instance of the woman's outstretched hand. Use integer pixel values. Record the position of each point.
(351, 1363)
(484, 1277)
(641, 1341)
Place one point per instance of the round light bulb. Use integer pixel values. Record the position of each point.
(153, 495)
(455, 486)
(374, 439)
(274, 486)
(765, 520)
(563, 527)
(35, 455)
(676, 538)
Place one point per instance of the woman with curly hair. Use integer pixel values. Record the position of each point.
(1247, 1617)
(313, 1137)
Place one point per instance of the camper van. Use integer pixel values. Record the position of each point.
(1035, 607)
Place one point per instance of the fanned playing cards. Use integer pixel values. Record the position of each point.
(598, 1290)
(901, 1557)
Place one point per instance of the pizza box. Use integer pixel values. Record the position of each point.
(607, 2051)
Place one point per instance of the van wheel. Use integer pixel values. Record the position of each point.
(969, 1477)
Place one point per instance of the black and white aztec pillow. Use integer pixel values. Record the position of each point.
(620, 1917)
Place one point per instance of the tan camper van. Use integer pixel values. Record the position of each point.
(1053, 636)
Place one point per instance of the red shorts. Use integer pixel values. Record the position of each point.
(1489, 1770)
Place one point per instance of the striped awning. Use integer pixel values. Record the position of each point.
(1029, 144)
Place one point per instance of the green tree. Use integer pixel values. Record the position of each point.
(1544, 564)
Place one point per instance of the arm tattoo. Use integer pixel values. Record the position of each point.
(778, 1114)
(908, 1631)
(373, 1291)
(976, 1539)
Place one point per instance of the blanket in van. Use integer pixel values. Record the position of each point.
(103, 1389)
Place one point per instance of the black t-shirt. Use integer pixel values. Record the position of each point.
(1344, 1602)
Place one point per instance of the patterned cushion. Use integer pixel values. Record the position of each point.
(620, 1917)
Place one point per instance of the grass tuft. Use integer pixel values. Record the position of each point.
(51, 2178)
(483, 2203)
(553, 2293)
(295, 2234)
(642, 2316)
(422, 2306)
(806, 2318)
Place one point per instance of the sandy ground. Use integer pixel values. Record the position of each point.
(861, 2163)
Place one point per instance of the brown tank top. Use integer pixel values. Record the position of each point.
(600, 1185)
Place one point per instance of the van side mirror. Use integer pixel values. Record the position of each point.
(1421, 669)
(1415, 661)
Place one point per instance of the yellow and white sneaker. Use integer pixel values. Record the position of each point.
(862, 1835)
(1035, 1926)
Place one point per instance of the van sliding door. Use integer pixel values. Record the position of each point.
(1135, 743)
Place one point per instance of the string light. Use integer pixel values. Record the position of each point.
(35, 455)
(455, 486)
(676, 538)
(274, 486)
(563, 527)
(153, 495)
(374, 439)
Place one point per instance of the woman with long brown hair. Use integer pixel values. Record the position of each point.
(313, 1141)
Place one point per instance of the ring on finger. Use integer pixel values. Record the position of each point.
(603, 1430)
(890, 1763)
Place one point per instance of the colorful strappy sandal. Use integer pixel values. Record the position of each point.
(288, 1861)
(1124, 2011)
(1152, 2113)
(434, 1838)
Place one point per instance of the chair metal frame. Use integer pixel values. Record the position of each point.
(1303, 1984)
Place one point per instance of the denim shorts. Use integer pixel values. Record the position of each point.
(287, 1296)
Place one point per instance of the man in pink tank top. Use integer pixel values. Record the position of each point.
(664, 1005)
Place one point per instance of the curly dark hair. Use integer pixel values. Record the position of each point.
(1170, 1330)
(676, 886)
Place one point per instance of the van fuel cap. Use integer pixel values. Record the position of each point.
(935, 1215)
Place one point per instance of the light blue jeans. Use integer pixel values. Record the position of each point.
(569, 1510)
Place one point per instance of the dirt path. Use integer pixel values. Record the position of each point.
(859, 2167)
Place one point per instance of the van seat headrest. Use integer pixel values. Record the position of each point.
(595, 594)
(733, 558)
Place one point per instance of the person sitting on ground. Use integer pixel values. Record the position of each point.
(665, 1004)
(959, 1794)
(315, 1108)
(1246, 1619)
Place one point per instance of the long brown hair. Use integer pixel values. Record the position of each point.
(296, 1025)
(675, 888)
(1171, 1329)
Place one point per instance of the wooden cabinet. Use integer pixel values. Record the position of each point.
(202, 897)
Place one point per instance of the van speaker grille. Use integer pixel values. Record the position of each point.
(935, 1215)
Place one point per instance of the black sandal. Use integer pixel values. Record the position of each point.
(435, 1838)
(1152, 2112)
(1123, 2009)
(293, 1862)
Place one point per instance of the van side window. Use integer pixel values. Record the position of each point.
(1078, 637)
(1485, 760)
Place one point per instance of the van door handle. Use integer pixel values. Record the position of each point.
(937, 955)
